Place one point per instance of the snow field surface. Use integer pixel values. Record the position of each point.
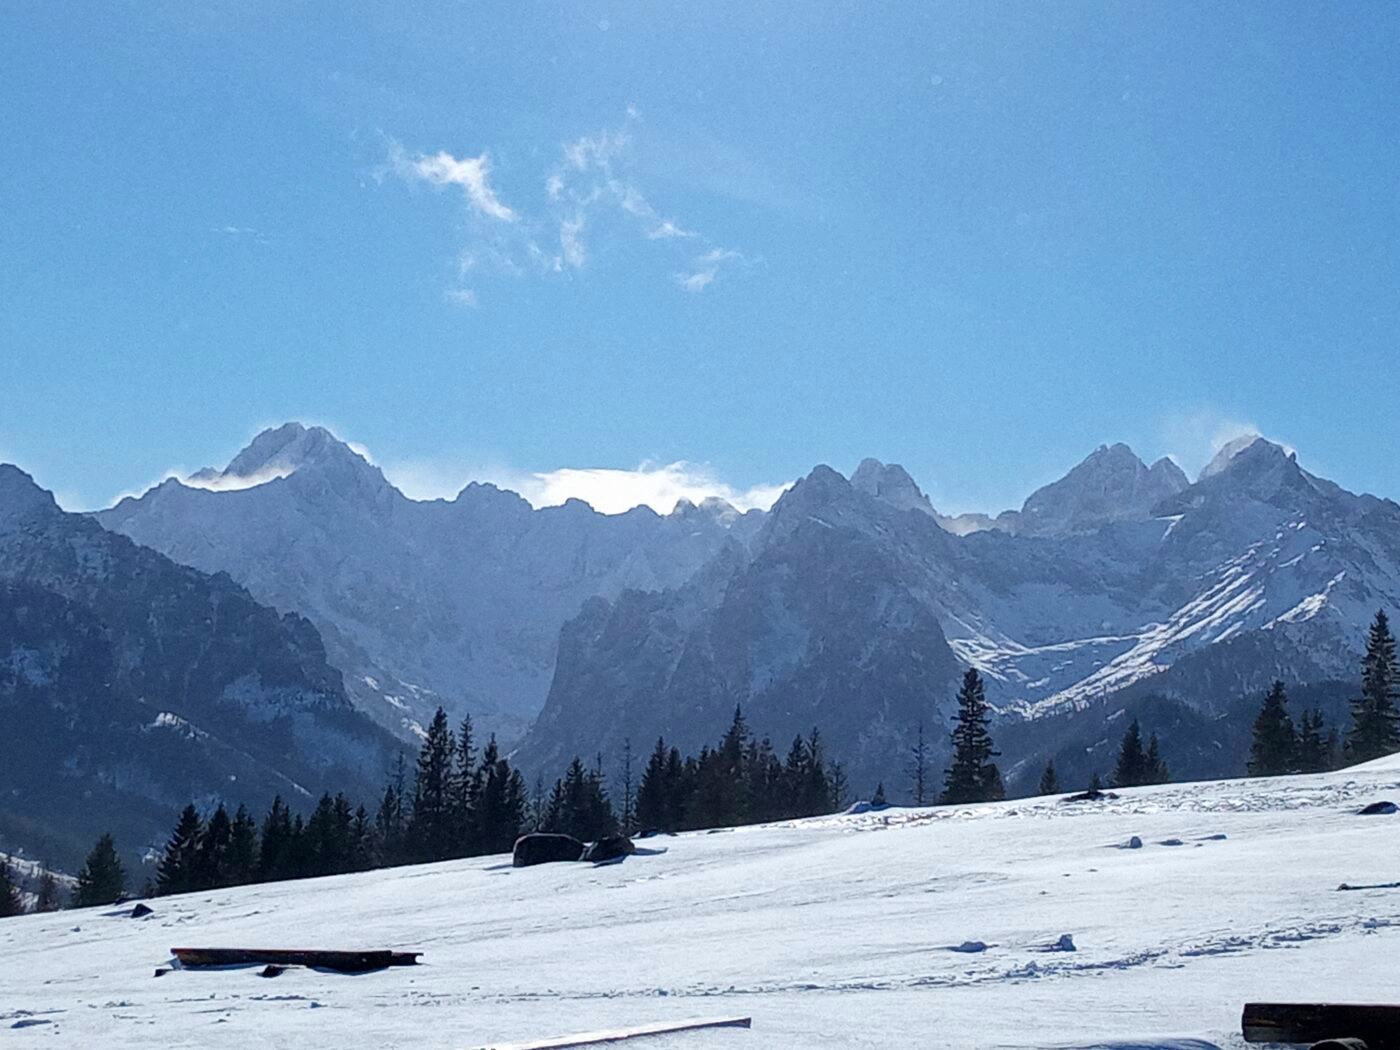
(830, 932)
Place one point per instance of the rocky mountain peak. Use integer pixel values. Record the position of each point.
(1259, 450)
(21, 498)
(294, 449)
(1111, 484)
(892, 484)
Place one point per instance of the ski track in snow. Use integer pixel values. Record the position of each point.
(830, 932)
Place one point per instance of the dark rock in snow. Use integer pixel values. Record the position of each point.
(614, 847)
(542, 848)
(969, 947)
(141, 911)
(1382, 808)
(1064, 944)
(1134, 843)
(856, 808)
(1090, 796)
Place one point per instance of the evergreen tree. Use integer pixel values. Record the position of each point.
(500, 803)
(175, 872)
(363, 855)
(653, 808)
(579, 806)
(1375, 721)
(1274, 749)
(1049, 781)
(432, 827)
(390, 821)
(49, 895)
(973, 776)
(211, 862)
(878, 799)
(1095, 783)
(101, 880)
(465, 784)
(840, 785)
(1154, 765)
(275, 858)
(11, 902)
(918, 768)
(1132, 768)
(628, 817)
(243, 848)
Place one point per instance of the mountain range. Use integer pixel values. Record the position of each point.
(130, 685)
(852, 605)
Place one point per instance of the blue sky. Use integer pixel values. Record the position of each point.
(498, 240)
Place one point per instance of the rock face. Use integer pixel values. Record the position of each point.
(455, 602)
(1112, 485)
(130, 685)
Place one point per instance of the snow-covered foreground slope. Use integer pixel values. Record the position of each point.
(832, 932)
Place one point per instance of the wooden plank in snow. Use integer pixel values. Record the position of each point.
(1379, 1026)
(341, 961)
(617, 1035)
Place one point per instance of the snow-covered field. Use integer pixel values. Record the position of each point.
(833, 932)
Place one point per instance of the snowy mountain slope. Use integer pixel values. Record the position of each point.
(834, 931)
(130, 685)
(1258, 551)
(455, 602)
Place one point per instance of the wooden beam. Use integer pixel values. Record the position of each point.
(617, 1035)
(1379, 1026)
(340, 961)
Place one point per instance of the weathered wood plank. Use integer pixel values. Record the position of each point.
(617, 1035)
(1378, 1025)
(341, 961)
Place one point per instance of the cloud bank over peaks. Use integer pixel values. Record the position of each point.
(606, 489)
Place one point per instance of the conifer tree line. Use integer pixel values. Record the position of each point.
(1278, 746)
(741, 780)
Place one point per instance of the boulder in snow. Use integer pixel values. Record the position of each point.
(612, 847)
(1382, 808)
(543, 848)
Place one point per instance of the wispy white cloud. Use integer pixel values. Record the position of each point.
(705, 268)
(591, 196)
(1194, 436)
(471, 174)
(608, 490)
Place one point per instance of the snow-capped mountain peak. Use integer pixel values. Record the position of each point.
(292, 448)
(1111, 484)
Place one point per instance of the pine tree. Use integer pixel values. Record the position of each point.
(243, 848)
(628, 816)
(101, 880)
(1155, 767)
(1049, 782)
(918, 768)
(275, 858)
(840, 785)
(211, 869)
(973, 776)
(175, 872)
(431, 827)
(390, 823)
(465, 783)
(49, 895)
(1274, 749)
(11, 902)
(1132, 769)
(878, 799)
(1375, 721)
(1095, 783)
(500, 803)
(653, 810)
